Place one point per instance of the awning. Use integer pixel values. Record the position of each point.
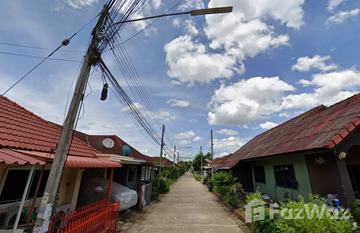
(75, 161)
(121, 159)
(8, 156)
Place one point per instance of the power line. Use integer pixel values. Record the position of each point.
(40, 48)
(63, 43)
(24, 55)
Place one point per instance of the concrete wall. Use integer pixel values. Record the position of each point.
(277, 193)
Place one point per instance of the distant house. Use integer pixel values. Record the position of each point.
(28, 143)
(316, 152)
(137, 167)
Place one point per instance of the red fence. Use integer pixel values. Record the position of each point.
(96, 217)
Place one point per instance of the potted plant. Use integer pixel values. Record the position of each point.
(210, 185)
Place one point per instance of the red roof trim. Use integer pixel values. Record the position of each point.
(12, 157)
(326, 121)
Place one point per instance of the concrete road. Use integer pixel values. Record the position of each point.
(188, 207)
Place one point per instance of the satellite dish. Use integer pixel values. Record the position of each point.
(208, 160)
(108, 143)
(126, 151)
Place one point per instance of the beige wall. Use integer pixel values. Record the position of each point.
(69, 186)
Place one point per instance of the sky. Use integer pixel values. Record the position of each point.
(236, 74)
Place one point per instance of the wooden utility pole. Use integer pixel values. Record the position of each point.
(161, 151)
(50, 193)
(201, 160)
(212, 156)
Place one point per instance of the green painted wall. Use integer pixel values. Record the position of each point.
(301, 175)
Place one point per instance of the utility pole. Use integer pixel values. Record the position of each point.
(50, 193)
(174, 154)
(161, 151)
(178, 158)
(212, 156)
(201, 160)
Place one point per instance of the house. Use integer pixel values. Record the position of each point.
(27, 147)
(316, 152)
(137, 167)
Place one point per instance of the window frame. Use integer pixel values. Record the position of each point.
(285, 177)
(259, 177)
(23, 168)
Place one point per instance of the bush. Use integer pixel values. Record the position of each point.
(356, 207)
(222, 180)
(264, 226)
(163, 186)
(198, 177)
(234, 195)
(204, 180)
(320, 221)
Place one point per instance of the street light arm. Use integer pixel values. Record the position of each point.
(208, 11)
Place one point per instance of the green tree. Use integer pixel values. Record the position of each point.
(197, 161)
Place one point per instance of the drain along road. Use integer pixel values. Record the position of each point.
(188, 207)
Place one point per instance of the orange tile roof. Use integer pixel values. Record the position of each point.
(319, 128)
(21, 129)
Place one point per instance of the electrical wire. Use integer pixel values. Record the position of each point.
(40, 48)
(54, 51)
(30, 56)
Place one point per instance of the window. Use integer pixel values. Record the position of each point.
(132, 174)
(259, 174)
(15, 182)
(285, 176)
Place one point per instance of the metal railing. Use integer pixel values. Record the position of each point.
(95, 217)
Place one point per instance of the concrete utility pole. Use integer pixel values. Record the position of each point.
(161, 151)
(212, 156)
(50, 193)
(174, 154)
(201, 160)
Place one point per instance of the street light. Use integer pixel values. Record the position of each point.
(208, 11)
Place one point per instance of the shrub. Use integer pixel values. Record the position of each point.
(233, 195)
(264, 226)
(320, 221)
(198, 177)
(222, 180)
(356, 207)
(163, 186)
(204, 180)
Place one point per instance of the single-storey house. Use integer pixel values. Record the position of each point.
(27, 147)
(316, 152)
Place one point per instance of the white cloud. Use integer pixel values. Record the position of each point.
(186, 135)
(191, 5)
(192, 120)
(268, 125)
(144, 151)
(318, 62)
(229, 144)
(341, 16)
(260, 98)
(77, 4)
(221, 155)
(329, 89)
(190, 28)
(163, 115)
(189, 62)
(233, 38)
(182, 142)
(333, 3)
(284, 114)
(227, 132)
(178, 103)
(196, 139)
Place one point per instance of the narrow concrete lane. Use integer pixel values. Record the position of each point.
(188, 207)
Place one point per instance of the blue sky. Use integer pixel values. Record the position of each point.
(237, 74)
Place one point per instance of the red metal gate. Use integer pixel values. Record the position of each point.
(96, 217)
